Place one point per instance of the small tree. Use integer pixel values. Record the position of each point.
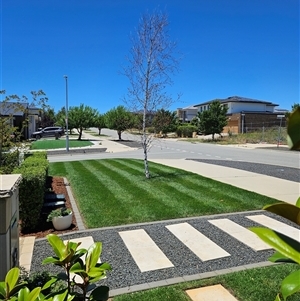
(295, 106)
(119, 119)
(82, 117)
(213, 120)
(61, 120)
(100, 122)
(150, 64)
(48, 117)
(164, 121)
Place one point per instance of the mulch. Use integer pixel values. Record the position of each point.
(57, 185)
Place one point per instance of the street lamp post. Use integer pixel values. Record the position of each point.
(67, 130)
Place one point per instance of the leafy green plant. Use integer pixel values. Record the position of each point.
(287, 249)
(9, 286)
(186, 130)
(68, 256)
(58, 212)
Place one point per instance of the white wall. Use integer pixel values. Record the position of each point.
(235, 107)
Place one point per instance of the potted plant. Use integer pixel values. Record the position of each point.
(61, 218)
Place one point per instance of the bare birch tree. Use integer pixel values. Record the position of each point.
(151, 62)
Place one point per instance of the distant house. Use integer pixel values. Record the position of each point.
(18, 113)
(247, 114)
(187, 114)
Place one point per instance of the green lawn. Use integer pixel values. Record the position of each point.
(260, 284)
(115, 192)
(60, 143)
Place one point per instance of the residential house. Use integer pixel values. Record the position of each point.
(186, 114)
(247, 114)
(18, 113)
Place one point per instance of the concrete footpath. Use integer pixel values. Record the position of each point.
(276, 188)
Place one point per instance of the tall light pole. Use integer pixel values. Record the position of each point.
(67, 130)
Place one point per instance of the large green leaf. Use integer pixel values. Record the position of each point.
(291, 284)
(60, 297)
(93, 255)
(293, 130)
(23, 294)
(278, 257)
(53, 260)
(17, 288)
(11, 278)
(298, 202)
(49, 283)
(2, 289)
(57, 245)
(99, 294)
(287, 246)
(286, 210)
(104, 265)
(76, 268)
(33, 295)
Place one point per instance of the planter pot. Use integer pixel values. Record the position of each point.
(62, 222)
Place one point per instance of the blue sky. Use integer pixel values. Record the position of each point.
(248, 48)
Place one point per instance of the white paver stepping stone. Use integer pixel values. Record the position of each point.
(147, 255)
(198, 243)
(210, 293)
(26, 250)
(240, 233)
(276, 225)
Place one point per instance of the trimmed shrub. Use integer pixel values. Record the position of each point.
(151, 130)
(9, 161)
(186, 131)
(34, 171)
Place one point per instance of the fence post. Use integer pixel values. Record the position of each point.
(279, 131)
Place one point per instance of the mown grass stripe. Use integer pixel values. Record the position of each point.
(114, 196)
(144, 191)
(115, 191)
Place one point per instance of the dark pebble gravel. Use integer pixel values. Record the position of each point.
(126, 273)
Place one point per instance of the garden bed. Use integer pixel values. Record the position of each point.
(57, 185)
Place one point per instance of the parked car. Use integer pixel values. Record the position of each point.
(51, 131)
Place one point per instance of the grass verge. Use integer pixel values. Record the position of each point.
(115, 192)
(267, 136)
(260, 284)
(60, 143)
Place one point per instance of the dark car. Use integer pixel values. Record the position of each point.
(51, 131)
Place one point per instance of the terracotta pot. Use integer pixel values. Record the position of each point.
(62, 222)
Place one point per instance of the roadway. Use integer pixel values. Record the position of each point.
(176, 149)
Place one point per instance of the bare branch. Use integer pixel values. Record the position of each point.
(151, 62)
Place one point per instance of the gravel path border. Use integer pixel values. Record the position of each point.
(125, 272)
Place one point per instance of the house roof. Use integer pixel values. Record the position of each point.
(12, 108)
(238, 99)
(192, 107)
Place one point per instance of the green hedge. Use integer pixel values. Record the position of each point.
(9, 161)
(186, 131)
(34, 171)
